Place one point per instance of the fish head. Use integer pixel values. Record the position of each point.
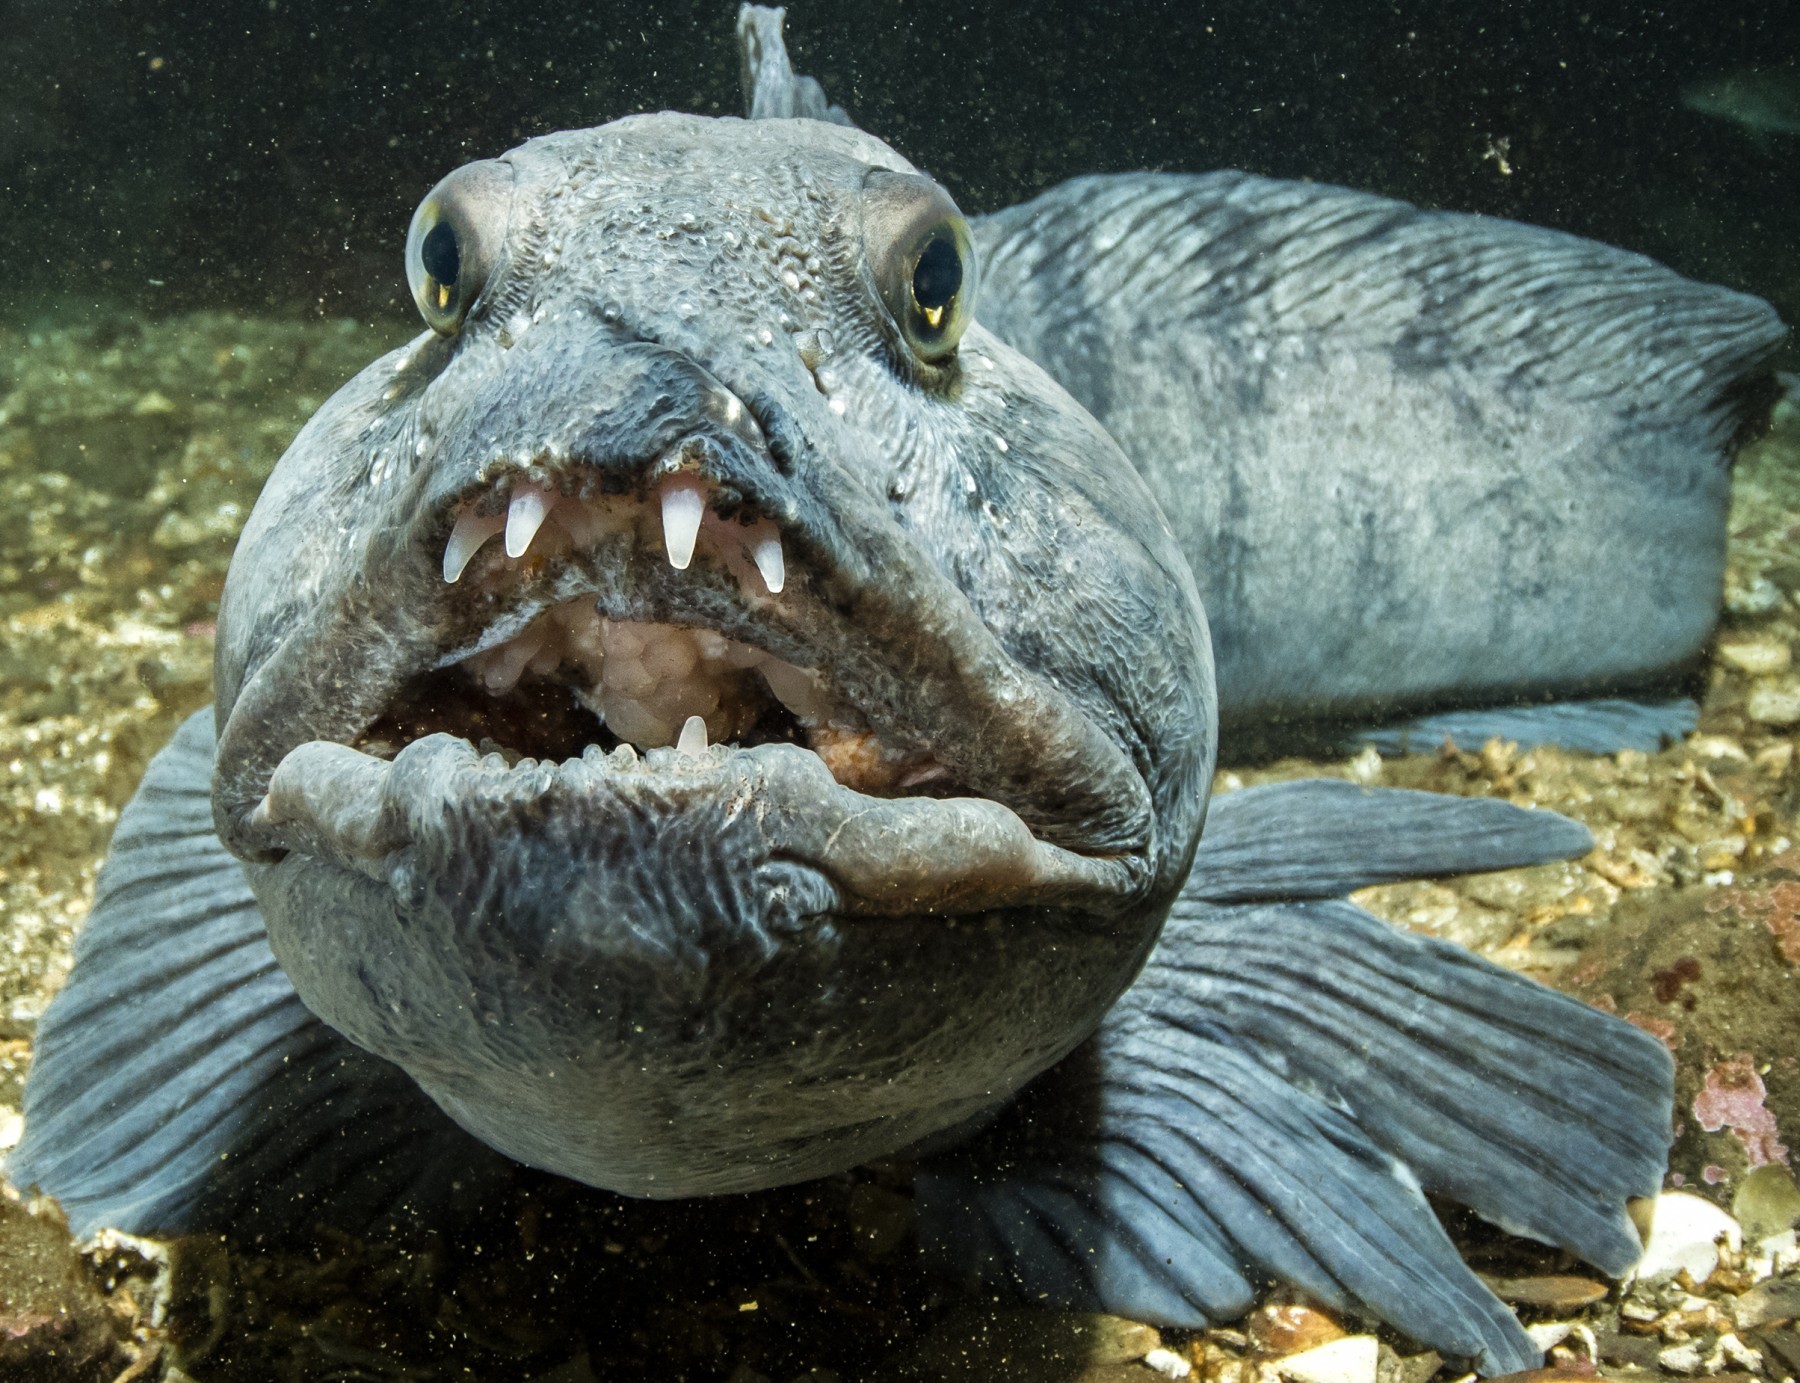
(706, 709)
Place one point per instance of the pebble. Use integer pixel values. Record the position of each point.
(1349, 1360)
(1291, 1328)
(1770, 1303)
(53, 1321)
(1757, 596)
(1168, 1363)
(1774, 703)
(1767, 1202)
(1552, 1293)
(1757, 657)
(152, 405)
(1682, 1235)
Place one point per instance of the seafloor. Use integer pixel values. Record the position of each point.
(130, 452)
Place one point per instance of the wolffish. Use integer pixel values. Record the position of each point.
(708, 713)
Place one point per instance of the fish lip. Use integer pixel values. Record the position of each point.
(959, 689)
(883, 856)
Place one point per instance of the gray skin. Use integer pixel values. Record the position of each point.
(1417, 459)
(671, 976)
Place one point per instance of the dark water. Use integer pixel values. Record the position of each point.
(267, 154)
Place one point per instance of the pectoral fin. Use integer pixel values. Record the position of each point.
(178, 1084)
(1289, 1074)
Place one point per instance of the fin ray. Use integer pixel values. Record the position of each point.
(178, 1084)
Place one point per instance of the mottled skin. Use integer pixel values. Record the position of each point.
(1417, 458)
(700, 976)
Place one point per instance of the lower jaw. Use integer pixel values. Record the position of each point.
(893, 856)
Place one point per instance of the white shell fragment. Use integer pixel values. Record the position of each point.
(1168, 1363)
(1684, 1236)
(1350, 1360)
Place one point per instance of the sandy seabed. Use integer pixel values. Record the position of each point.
(130, 454)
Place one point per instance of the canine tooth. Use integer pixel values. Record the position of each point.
(766, 553)
(693, 738)
(471, 531)
(524, 516)
(683, 504)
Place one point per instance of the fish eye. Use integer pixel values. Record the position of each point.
(923, 259)
(455, 242)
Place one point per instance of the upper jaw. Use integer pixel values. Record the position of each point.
(1066, 814)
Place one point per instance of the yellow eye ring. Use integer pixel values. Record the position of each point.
(456, 240)
(922, 259)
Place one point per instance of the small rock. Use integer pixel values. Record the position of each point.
(1756, 596)
(1771, 1303)
(54, 1324)
(152, 404)
(1767, 1202)
(1553, 1293)
(1291, 1328)
(1718, 747)
(1783, 1344)
(1547, 1335)
(1686, 1358)
(1350, 1360)
(1774, 759)
(1627, 1351)
(1684, 1232)
(1407, 1368)
(1774, 703)
(1168, 1363)
(1756, 657)
(1115, 1340)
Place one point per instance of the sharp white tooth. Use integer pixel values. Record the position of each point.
(683, 503)
(766, 553)
(524, 516)
(471, 531)
(693, 738)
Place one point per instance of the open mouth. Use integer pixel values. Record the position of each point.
(574, 676)
(689, 606)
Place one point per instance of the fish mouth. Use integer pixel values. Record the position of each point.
(595, 627)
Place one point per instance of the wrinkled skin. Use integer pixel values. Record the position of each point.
(709, 972)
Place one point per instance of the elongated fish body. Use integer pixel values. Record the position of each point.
(1414, 457)
(1417, 460)
(708, 713)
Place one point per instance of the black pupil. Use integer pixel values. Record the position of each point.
(939, 274)
(439, 254)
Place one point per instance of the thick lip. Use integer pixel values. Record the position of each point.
(1059, 811)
